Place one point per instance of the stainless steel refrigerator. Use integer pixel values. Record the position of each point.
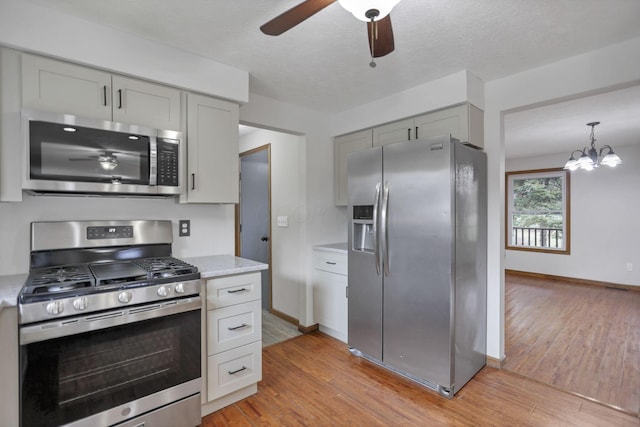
(417, 260)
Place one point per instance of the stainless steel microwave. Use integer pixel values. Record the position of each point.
(68, 154)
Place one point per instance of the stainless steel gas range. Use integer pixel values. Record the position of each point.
(109, 327)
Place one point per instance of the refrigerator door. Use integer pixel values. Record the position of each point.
(364, 175)
(418, 289)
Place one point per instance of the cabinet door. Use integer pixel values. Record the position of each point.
(145, 104)
(330, 302)
(399, 131)
(342, 146)
(213, 150)
(60, 87)
(233, 326)
(451, 121)
(231, 290)
(234, 369)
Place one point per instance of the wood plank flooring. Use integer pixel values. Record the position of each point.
(312, 380)
(583, 339)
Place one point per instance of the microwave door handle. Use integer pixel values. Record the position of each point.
(153, 161)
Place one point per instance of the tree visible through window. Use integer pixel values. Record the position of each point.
(538, 207)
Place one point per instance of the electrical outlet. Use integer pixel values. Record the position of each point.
(629, 266)
(185, 227)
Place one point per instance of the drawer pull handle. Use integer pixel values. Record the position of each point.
(330, 263)
(244, 368)
(233, 328)
(235, 291)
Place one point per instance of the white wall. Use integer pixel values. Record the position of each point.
(212, 226)
(456, 88)
(569, 78)
(604, 226)
(288, 275)
(321, 221)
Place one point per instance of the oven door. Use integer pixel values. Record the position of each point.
(108, 368)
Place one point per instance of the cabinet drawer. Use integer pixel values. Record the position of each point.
(233, 326)
(234, 369)
(330, 261)
(230, 290)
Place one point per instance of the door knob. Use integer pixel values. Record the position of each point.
(264, 238)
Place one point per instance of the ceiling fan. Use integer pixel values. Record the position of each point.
(374, 12)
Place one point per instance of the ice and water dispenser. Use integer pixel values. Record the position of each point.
(363, 229)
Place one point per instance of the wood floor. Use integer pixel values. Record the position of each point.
(584, 339)
(313, 380)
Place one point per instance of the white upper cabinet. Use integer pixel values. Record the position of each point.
(144, 103)
(213, 149)
(60, 87)
(342, 146)
(463, 122)
(399, 131)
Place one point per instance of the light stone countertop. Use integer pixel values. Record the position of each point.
(224, 265)
(332, 247)
(10, 287)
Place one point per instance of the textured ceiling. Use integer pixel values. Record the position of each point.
(322, 63)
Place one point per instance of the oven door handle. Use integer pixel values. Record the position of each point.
(77, 325)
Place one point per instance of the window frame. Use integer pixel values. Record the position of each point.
(539, 173)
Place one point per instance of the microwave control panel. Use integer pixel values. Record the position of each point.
(167, 162)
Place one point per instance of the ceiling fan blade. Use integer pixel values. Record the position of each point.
(381, 37)
(294, 16)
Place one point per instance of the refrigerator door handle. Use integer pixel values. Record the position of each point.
(383, 229)
(376, 244)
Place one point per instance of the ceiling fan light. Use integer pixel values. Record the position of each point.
(359, 8)
(108, 165)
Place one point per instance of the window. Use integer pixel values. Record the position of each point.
(538, 210)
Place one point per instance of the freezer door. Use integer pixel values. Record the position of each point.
(364, 175)
(418, 288)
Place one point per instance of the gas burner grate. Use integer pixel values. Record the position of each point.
(58, 279)
(60, 276)
(165, 267)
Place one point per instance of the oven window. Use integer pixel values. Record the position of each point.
(70, 378)
(87, 154)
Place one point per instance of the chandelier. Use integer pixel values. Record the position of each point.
(591, 158)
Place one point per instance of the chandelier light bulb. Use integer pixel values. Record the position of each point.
(590, 158)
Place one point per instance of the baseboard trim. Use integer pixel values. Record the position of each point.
(492, 362)
(284, 316)
(572, 280)
(307, 329)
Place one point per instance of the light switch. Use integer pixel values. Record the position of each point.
(283, 221)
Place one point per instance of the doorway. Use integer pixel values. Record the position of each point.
(253, 240)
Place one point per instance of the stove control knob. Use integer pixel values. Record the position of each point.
(163, 291)
(80, 303)
(179, 289)
(55, 307)
(125, 297)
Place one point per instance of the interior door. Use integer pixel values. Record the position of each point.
(255, 213)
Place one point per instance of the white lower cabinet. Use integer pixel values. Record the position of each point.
(232, 340)
(233, 370)
(330, 292)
